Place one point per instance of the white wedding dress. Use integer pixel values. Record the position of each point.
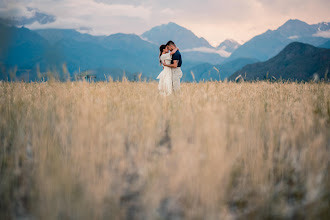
(165, 77)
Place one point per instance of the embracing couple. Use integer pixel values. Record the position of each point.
(169, 78)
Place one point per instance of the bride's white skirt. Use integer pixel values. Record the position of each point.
(165, 81)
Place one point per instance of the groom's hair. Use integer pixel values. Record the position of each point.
(170, 43)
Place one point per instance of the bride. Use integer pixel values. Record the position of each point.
(165, 77)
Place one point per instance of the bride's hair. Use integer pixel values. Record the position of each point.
(161, 48)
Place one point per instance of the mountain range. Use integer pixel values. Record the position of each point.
(21, 47)
(297, 61)
(270, 43)
(32, 50)
(52, 48)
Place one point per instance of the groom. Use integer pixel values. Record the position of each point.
(175, 65)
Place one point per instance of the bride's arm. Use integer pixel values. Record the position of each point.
(174, 51)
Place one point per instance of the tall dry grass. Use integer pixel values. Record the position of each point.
(119, 150)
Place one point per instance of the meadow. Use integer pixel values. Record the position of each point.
(119, 150)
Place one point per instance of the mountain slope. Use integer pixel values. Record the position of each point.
(228, 68)
(20, 46)
(207, 71)
(325, 45)
(55, 35)
(201, 57)
(298, 61)
(117, 53)
(270, 43)
(129, 42)
(182, 37)
(109, 61)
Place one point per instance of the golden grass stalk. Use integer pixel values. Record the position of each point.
(79, 150)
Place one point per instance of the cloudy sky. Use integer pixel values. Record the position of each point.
(215, 20)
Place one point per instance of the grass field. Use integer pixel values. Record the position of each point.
(119, 150)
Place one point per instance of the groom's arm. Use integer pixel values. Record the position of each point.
(174, 65)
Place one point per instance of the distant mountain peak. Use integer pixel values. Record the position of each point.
(323, 26)
(299, 28)
(228, 45)
(293, 24)
(183, 38)
(127, 38)
(230, 41)
(294, 21)
(124, 35)
(324, 23)
(172, 23)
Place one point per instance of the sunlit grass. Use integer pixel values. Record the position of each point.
(119, 150)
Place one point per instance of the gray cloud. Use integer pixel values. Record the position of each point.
(21, 15)
(40, 17)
